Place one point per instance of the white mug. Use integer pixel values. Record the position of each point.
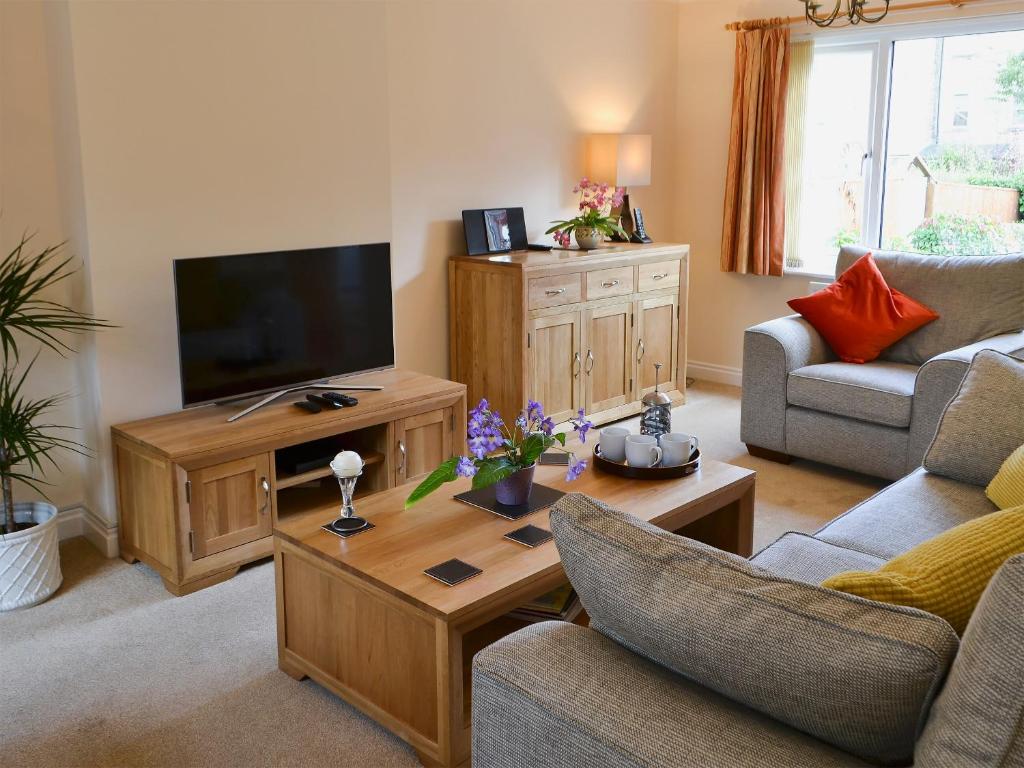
(642, 451)
(676, 448)
(613, 443)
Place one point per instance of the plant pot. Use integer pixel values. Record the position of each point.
(588, 238)
(514, 490)
(30, 558)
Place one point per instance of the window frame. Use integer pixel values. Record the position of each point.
(882, 40)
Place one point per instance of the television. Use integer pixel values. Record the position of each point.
(255, 323)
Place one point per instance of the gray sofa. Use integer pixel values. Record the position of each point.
(697, 658)
(878, 418)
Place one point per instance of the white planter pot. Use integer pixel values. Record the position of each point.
(30, 559)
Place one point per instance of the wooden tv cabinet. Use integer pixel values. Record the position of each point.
(571, 329)
(199, 497)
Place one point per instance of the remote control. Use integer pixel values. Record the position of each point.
(322, 401)
(336, 397)
(538, 247)
(307, 406)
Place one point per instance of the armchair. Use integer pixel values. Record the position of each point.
(879, 417)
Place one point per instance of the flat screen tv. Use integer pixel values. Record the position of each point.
(261, 322)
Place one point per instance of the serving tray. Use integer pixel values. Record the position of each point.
(658, 472)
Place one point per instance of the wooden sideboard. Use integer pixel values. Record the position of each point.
(570, 329)
(198, 497)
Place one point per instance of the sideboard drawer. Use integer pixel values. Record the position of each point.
(609, 282)
(555, 290)
(658, 274)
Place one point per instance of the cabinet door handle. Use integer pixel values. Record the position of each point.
(610, 283)
(590, 361)
(265, 485)
(577, 365)
(659, 276)
(557, 292)
(641, 351)
(401, 450)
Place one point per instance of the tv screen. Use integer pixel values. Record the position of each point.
(261, 322)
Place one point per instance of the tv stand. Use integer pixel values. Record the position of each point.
(274, 395)
(198, 497)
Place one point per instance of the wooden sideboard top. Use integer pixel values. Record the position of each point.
(205, 430)
(559, 258)
(394, 554)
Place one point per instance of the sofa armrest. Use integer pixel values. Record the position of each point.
(770, 352)
(561, 696)
(938, 382)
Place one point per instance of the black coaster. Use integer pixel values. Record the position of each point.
(344, 534)
(530, 536)
(541, 497)
(452, 572)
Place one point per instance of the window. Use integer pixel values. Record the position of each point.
(947, 112)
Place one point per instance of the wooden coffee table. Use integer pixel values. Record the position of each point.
(359, 616)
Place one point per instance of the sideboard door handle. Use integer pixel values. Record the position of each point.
(401, 450)
(265, 485)
(641, 351)
(558, 292)
(610, 283)
(590, 361)
(659, 276)
(577, 365)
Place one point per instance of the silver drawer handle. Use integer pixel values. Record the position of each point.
(577, 365)
(401, 449)
(555, 293)
(610, 283)
(661, 276)
(265, 485)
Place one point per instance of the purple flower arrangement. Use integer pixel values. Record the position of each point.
(596, 202)
(498, 450)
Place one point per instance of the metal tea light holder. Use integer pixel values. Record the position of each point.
(347, 474)
(656, 409)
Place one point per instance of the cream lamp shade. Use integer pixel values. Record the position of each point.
(620, 159)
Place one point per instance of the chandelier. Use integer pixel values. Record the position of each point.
(855, 12)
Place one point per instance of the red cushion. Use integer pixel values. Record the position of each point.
(859, 315)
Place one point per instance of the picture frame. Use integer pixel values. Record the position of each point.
(496, 224)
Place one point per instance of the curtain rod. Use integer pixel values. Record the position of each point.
(785, 21)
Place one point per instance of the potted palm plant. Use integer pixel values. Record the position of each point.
(29, 442)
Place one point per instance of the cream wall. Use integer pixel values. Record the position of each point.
(205, 128)
(489, 103)
(722, 305)
(30, 202)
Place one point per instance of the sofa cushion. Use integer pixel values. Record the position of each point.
(1007, 487)
(859, 315)
(908, 512)
(983, 423)
(879, 392)
(976, 297)
(977, 720)
(555, 694)
(804, 558)
(857, 674)
(947, 574)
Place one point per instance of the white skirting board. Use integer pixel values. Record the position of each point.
(722, 374)
(76, 520)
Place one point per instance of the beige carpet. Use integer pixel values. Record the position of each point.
(113, 671)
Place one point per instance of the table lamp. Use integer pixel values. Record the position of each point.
(622, 160)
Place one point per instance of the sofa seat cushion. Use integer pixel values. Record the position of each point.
(804, 558)
(856, 674)
(555, 694)
(879, 392)
(908, 512)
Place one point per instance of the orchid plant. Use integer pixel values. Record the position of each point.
(498, 450)
(596, 202)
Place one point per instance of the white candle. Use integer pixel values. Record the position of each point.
(347, 464)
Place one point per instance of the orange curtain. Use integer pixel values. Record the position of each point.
(753, 233)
